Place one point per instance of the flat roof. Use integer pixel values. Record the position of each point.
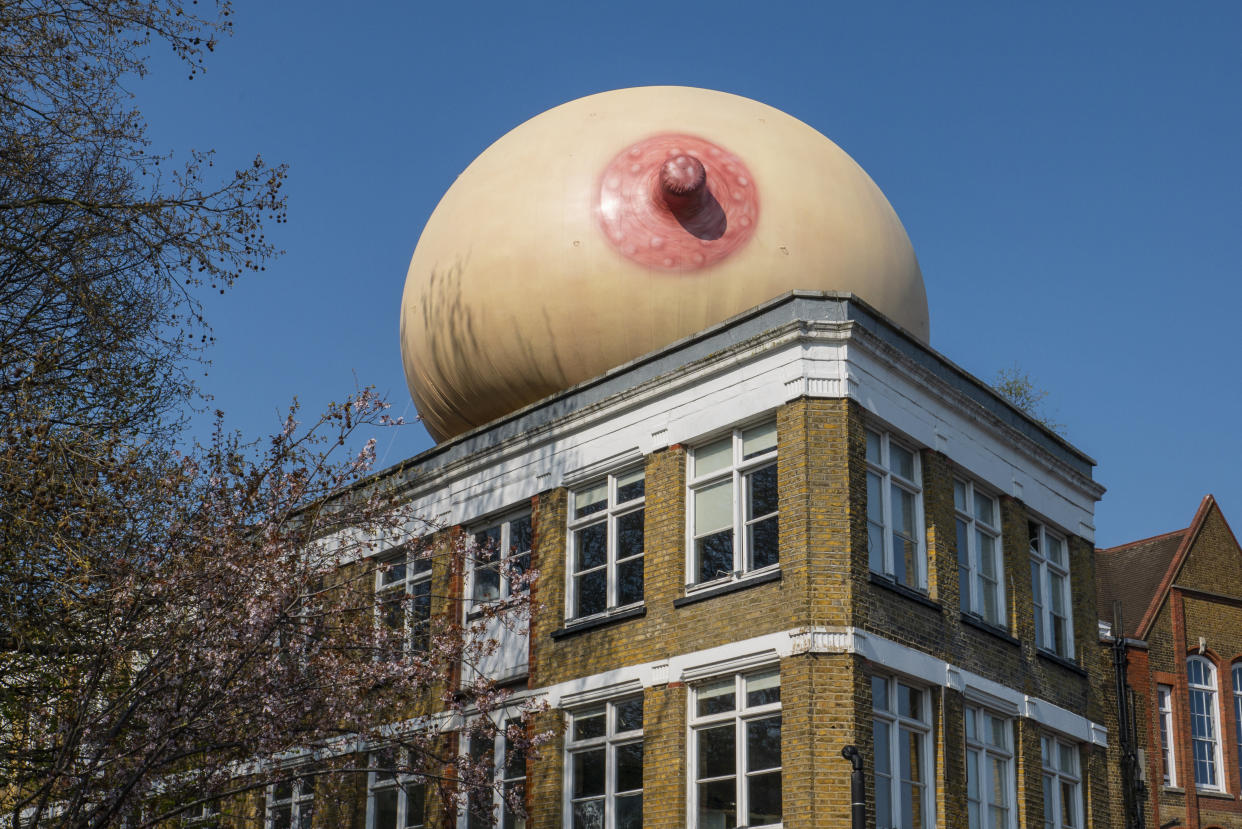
(794, 306)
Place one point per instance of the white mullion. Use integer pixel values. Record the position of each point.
(502, 559)
(739, 514)
(739, 748)
(885, 497)
(610, 547)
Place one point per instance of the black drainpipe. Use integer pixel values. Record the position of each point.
(858, 788)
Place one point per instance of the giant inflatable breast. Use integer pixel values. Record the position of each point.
(615, 224)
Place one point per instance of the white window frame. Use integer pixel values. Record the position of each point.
(1055, 779)
(981, 766)
(610, 741)
(741, 714)
(1236, 677)
(301, 800)
(612, 512)
(402, 783)
(1207, 693)
(899, 726)
(1042, 570)
(739, 472)
(882, 469)
(413, 577)
(1168, 752)
(502, 782)
(505, 552)
(970, 528)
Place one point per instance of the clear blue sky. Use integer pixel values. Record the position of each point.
(1069, 174)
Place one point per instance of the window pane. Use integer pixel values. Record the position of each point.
(715, 554)
(630, 714)
(764, 542)
(903, 512)
(998, 732)
(718, 804)
(963, 545)
(875, 547)
(630, 581)
(901, 461)
(761, 486)
(519, 535)
(765, 798)
(911, 806)
(1069, 759)
(589, 726)
(383, 762)
(985, 510)
(386, 809)
(991, 602)
(630, 486)
(1068, 809)
(1000, 781)
(875, 498)
(763, 689)
(1056, 550)
(910, 702)
(713, 457)
(629, 767)
(590, 546)
(911, 750)
(589, 773)
(592, 593)
(630, 812)
(959, 496)
(763, 744)
(589, 815)
(630, 534)
(883, 758)
(591, 500)
(883, 803)
(486, 584)
(1037, 597)
(873, 448)
(415, 804)
(713, 508)
(282, 817)
(716, 698)
(717, 751)
(879, 693)
(987, 554)
(394, 573)
(487, 544)
(757, 440)
(392, 613)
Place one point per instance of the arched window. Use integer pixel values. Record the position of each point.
(1237, 715)
(1204, 725)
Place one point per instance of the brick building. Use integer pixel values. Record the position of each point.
(801, 530)
(1180, 596)
(769, 520)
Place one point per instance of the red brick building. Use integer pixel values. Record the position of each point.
(1180, 596)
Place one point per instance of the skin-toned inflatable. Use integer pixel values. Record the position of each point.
(618, 223)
